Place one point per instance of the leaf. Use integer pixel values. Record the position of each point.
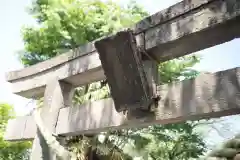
(10, 150)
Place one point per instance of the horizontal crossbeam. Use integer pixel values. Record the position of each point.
(184, 28)
(207, 96)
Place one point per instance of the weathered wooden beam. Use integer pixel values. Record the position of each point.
(207, 96)
(184, 28)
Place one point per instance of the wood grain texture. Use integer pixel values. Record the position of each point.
(207, 96)
(186, 27)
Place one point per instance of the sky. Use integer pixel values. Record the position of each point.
(13, 16)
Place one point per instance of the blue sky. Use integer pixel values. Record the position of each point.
(13, 16)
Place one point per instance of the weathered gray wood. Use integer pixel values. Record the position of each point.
(123, 67)
(184, 28)
(207, 96)
(57, 95)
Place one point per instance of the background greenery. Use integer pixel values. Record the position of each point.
(10, 150)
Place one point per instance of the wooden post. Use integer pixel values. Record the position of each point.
(57, 95)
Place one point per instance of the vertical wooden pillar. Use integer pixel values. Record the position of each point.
(57, 95)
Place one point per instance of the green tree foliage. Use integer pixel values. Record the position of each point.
(10, 150)
(66, 24)
(174, 142)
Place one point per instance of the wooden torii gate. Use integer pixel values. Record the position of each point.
(181, 29)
